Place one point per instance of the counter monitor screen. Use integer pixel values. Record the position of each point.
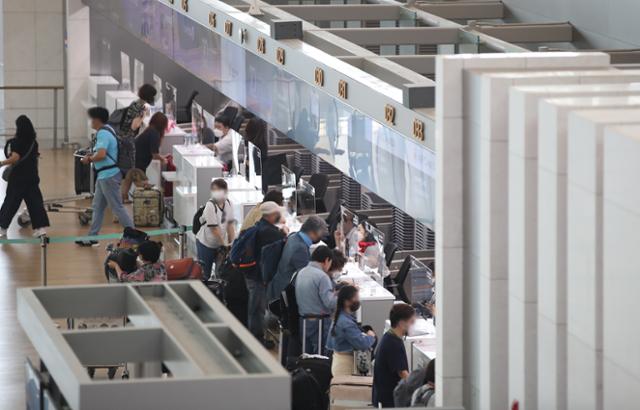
(418, 285)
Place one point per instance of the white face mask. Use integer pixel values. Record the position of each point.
(218, 195)
(218, 133)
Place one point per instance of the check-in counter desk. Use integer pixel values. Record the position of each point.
(376, 301)
(98, 85)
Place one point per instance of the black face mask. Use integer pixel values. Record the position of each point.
(355, 306)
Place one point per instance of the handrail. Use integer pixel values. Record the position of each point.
(31, 87)
(55, 89)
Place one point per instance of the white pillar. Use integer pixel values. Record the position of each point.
(621, 282)
(78, 68)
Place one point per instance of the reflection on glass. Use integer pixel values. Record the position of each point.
(349, 229)
(254, 162)
(306, 195)
(157, 83)
(289, 186)
(371, 249)
(125, 65)
(419, 285)
(238, 151)
(197, 120)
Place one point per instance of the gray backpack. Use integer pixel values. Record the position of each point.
(404, 390)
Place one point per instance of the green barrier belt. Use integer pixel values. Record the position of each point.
(68, 239)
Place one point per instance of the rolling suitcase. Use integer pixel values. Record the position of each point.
(82, 177)
(147, 207)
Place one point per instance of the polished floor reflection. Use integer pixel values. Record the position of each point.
(20, 266)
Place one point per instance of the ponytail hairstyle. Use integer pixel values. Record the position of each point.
(345, 294)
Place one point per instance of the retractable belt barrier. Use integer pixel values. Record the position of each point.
(45, 240)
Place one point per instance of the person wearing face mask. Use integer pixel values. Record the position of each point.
(346, 335)
(316, 296)
(391, 364)
(150, 268)
(268, 233)
(223, 132)
(218, 226)
(296, 254)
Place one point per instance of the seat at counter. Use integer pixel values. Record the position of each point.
(397, 284)
(320, 182)
(390, 249)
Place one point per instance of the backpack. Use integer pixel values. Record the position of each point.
(126, 151)
(243, 250)
(422, 397)
(126, 146)
(405, 388)
(270, 258)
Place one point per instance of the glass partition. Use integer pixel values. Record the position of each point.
(289, 193)
(170, 98)
(157, 83)
(254, 166)
(371, 249)
(208, 137)
(238, 151)
(138, 74)
(419, 285)
(125, 66)
(349, 228)
(197, 120)
(306, 194)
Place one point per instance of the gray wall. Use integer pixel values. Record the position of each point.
(599, 23)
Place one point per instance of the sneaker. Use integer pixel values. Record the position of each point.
(39, 232)
(86, 244)
(3, 233)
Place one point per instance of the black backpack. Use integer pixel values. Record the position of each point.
(306, 392)
(126, 146)
(126, 151)
(196, 224)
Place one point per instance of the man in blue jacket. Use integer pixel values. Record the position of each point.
(296, 254)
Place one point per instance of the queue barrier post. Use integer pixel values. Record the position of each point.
(182, 241)
(44, 243)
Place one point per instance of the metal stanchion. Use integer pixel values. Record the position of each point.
(44, 242)
(182, 241)
(55, 118)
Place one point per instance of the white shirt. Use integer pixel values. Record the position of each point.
(213, 216)
(225, 147)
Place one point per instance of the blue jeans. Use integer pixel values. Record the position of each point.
(207, 257)
(108, 194)
(257, 307)
(311, 343)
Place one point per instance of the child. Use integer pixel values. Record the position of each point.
(149, 267)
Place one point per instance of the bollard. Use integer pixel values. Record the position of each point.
(44, 242)
(182, 241)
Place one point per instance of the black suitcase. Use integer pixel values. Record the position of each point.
(235, 290)
(320, 368)
(306, 392)
(82, 177)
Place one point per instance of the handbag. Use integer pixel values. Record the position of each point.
(6, 174)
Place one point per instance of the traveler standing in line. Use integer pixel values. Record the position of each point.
(255, 214)
(316, 296)
(108, 176)
(296, 254)
(268, 233)
(218, 227)
(391, 363)
(346, 335)
(147, 149)
(131, 125)
(23, 181)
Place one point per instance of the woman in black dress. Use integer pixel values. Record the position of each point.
(23, 182)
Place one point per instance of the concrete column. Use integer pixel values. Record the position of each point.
(78, 57)
(621, 283)
(584, 253)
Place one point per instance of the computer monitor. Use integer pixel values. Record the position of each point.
(418, 284)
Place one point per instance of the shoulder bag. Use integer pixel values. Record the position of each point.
(6, 174)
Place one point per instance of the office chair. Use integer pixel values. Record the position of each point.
(390, 249)
(397, 284)
(320, 182)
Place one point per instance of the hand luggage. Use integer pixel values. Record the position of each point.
(320, 368)
(183, 269)
(350, 392)
(235, 290)
(147, 207)
(168, 185)
(131, 238)
(319, 319)
(306, 392)
(82, 176)
(126, 259)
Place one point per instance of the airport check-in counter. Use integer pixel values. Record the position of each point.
(207, 355)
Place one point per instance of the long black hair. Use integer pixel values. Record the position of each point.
(345, 293)
(24, 129)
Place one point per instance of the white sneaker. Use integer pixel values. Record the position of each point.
(39, 232)
(3, 233)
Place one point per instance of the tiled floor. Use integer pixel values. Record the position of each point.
(20, 266)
